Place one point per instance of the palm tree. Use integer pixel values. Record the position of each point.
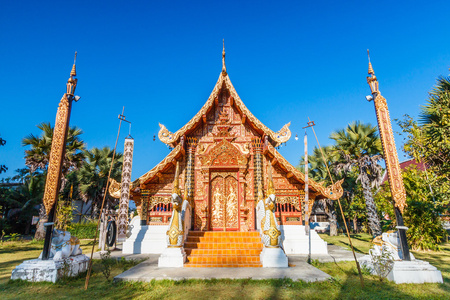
(435, 121)
(93, 176)
(22, 201)
(38, 156)
(359, 147)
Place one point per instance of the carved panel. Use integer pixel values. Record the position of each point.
(224, 200)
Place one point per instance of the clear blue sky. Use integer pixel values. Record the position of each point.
(160, 59)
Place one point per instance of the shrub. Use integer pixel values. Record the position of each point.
(83, 230)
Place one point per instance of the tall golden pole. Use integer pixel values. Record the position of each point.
(390, 156)
(57, 153)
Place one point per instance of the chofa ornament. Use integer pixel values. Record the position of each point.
(165, 135)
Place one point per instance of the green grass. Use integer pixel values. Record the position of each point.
(343, 285)
(361, 242)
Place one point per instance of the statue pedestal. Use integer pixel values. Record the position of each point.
(172, 258)
(273, 258)
(35, 270)
(414, 271)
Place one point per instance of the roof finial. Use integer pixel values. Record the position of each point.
(74, 70)
(224, 67)
(371, 71)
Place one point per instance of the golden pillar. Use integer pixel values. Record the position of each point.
(57, 153)
(390, 156)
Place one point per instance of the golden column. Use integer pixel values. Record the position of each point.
(391, 158)
(57, 153)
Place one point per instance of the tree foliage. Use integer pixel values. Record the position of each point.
(359, 150)
(93, 175)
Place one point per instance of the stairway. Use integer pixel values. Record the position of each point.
(223, 249)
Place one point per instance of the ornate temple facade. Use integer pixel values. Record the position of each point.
(224, 153)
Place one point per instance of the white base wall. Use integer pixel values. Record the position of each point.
(414, 271)
(148, 239)
(172, 258)
(35, 270)
(295, 241)
(273, 258)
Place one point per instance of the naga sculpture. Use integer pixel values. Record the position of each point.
(175, 234)
(271, 234)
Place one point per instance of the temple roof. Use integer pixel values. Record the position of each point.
(169, 138)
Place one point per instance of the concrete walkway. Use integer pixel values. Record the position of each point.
(298, 269)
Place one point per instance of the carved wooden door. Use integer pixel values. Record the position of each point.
(223, 199)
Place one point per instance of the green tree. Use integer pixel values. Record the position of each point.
(359, 149)
(20, 203)
(93, 176)
(435, 121)
(38, 155)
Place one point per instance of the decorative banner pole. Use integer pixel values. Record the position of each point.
(307, 212)
(57, 153)
(390, 156)
(125, 188)
(340, 206)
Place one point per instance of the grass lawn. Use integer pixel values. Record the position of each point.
(343, 285)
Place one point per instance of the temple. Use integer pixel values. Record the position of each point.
(223, 163)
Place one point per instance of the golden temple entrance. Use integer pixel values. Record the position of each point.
(223, 200)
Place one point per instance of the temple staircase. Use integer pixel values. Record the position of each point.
(223, 249)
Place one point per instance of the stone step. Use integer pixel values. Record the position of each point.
(224, 233)
(248, 265)
(212, 245)
(222, 251)
(223, 239)
(223, 259)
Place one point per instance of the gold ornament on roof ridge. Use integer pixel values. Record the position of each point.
(224, 67)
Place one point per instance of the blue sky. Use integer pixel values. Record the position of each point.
(288, 60)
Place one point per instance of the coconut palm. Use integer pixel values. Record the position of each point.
(21, 202)
(435, 121)
(38, 156)
(93, 175)
(359, 147)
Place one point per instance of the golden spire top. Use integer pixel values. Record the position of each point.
(72, 82)
(372, 79)
(371, 71)
(74, 69)
(224, 67)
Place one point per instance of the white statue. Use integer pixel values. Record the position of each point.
(63, 245)
(388, 241)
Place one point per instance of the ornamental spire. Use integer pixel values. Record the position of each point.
(372, 79)
(72, 82)
(371, 71)
(224, 67)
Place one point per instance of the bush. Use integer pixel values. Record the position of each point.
(83, 230)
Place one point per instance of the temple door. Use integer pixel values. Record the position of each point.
(224, 202)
